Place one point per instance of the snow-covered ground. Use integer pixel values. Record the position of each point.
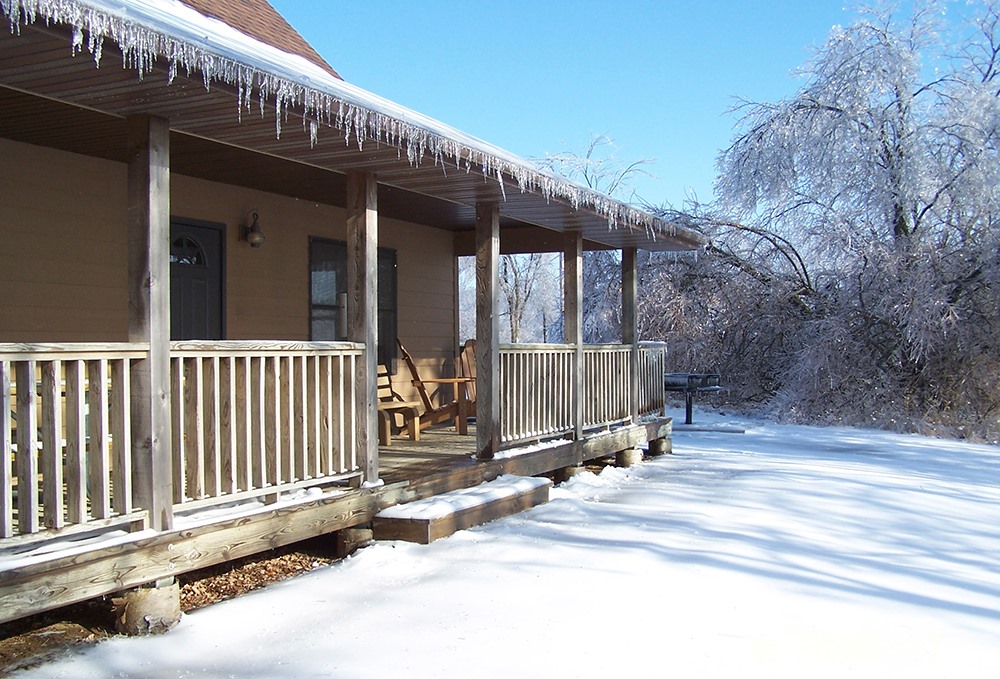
(782, 552)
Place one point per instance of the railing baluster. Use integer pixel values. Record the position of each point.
(327, 408)
(98, 453)
(194, 402)
(213, 435)
(228, 423)
(274, 441)
(302, 419)
(76, 441)
(177, 433)
(351, 401)
(341, 415)
(121, 436)
(27, 448)
(6, 455)
(260, 440)
(51, 453)
(244, 423)
(315, 442)
(287, 472)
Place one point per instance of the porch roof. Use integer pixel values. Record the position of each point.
(247, 113)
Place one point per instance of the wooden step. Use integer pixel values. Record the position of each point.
(435, 517)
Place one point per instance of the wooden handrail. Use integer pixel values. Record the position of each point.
(71, 351)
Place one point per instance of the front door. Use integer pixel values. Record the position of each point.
(195, 281)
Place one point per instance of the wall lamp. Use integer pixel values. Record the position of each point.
(252, 234)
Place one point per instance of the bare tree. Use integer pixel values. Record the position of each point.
(600, 169)
(525, 295)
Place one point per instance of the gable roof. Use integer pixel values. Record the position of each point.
(262, 22)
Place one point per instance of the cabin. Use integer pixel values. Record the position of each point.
(209, 244)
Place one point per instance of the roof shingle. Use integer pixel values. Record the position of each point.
(259, 20)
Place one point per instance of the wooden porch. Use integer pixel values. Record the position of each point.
(127, 458)
(264, 452)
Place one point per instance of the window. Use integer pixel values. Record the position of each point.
(328, 295)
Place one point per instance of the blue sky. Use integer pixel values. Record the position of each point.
(542, 76)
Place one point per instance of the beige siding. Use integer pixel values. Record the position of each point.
(63, 249)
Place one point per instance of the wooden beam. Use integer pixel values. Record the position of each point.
(487, 331)
(149, 313)
(521, 240)
(630, 325)
(573, 318)
(362, 306)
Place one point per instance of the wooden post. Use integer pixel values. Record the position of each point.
(487, 331)
(362, 315)
(573, 319)
(148, 156)
(630, 325)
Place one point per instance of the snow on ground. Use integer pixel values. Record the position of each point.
(786, 551)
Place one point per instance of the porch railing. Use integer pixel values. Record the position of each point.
(652, 365)
(249, 419)
(65, 435)
(536, 388)
(256, 419)
(538, 392)
(606, 380)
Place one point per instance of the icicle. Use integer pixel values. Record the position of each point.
(142, 46)
(76, 43)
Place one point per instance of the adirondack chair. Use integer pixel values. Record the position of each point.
(391, 404)
(467, 364)
(457, 410)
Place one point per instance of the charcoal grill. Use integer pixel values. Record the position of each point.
(691, 384)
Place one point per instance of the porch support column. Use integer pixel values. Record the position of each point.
(630, 325)
(362, 303)
(148, 153)
(487, 331)
(573, 319)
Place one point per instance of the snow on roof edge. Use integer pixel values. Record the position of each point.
(147, 29)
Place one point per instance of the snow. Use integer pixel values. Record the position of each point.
(147, 30)
(787, 551)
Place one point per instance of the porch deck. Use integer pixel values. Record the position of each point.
(439, 449)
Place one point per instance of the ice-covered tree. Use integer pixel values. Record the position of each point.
(860, 218)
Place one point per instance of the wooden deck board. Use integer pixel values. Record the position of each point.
(439, 449)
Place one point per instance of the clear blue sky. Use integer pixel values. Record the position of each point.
(542, 76)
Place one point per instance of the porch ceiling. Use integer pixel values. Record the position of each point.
(51, 98)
